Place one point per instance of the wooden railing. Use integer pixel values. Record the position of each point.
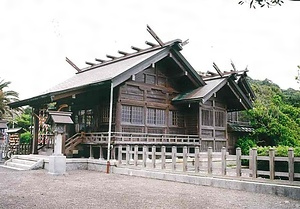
(141, 138)
(209, 163)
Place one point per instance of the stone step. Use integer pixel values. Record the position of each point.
(23, 161)
(18, 165)
(13, 168)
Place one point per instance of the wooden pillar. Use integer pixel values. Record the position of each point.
(184, 159)
(272, 163)
(127, 154)
(163, 157)
(145, 156)
(153, 156)
(100, 153)
(238, 162)
(209, 160)
(35, 131)
(223, 161)
(91, 152)
(174, 153)
(254, 162)
(197, 159)
(135, 156)
(120, 154)
(291, 164)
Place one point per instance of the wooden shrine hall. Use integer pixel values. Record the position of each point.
(151, 96)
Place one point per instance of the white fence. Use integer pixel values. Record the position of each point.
(191, 160)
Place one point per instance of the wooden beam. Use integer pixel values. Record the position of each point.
(153, 34)
(150, 44)
(136, 48)
(99, 60)
(90, 63)
(123, 53)
(217, 69)
(110, 56)
(73, 65)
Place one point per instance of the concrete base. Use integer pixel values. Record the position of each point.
(57, 164)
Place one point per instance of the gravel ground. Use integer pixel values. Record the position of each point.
(90, 189)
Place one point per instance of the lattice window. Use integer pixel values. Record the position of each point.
(175, 118)
(156, 116)
(207, 117)
(220, 118)
(126, 113)
(132, 114)
(151, 116)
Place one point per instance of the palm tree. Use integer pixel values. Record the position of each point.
(5, 98)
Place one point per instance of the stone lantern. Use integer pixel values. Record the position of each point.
(58, 121)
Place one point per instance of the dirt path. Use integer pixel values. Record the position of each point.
(89, 189)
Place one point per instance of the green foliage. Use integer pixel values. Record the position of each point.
(246, 143)
(280, 151)
(24, 120)
(7, 96)
(25, 138)
(275, 122)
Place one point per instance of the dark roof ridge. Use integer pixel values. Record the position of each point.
(130, 55)
(224, 74)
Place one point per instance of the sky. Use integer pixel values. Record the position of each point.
(37, 35)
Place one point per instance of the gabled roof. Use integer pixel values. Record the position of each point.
(115, 71)
(213, 85)
(203, 93)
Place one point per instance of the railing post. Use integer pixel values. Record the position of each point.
(238, 162)
(272, 163)
(223, 152)
(291, 164)
(174, 152)
(91, 152)
(153, 156)
(100, 153)
(197, 158)
(145, 156)
(184, 163)
(120, 154)
(163, 157)
(250, 161)
(127, 154)
(209, 160)
(135, 155)
(254, 162)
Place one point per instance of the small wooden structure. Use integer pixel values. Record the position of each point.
(152, 96)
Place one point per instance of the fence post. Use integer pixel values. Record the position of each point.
(254, 162)
(163, 157)
(135, 156)
(250, 161)
(120, 154)
(272, 163)
(291, 164)
(209, 160)
(238, 162)
(184, 159)
(145, 156)
(197, 156)
(153, 156)
(223, 161)
(127, 154)
(174, 153)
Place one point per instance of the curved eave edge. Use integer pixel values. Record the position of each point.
(48, 97)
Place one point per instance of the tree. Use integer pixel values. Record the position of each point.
(262, 3)
(7, 96)
(275, 121)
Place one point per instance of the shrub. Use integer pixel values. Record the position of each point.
(246, 143)
(25, 138)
